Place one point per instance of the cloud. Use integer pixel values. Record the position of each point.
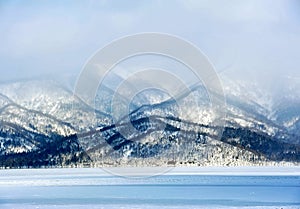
(47, 37)
(239, 11)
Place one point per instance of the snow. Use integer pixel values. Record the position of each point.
(40, 177)
(291, 122)
(181, 187)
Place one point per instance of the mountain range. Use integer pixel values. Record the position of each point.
(42, 123)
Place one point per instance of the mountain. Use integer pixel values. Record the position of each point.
(43, 124)
(287, 107)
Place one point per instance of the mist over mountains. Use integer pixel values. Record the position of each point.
(43, 124)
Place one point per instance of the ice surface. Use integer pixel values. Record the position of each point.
(210, 187)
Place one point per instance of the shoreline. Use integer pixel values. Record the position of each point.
(154, 171)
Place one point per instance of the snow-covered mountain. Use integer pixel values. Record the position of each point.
(279, 103)
(286, 109)
(43, 123)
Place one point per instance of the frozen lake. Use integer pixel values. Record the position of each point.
(248, 187)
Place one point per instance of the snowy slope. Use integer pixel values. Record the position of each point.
(185, 131)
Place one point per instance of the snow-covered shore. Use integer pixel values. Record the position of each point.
(145, 171)
(94, 176)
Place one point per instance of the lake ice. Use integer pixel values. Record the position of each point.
(212, 187)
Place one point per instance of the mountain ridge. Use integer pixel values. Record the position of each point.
(100, 141)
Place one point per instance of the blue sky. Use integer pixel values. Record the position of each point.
(257, 37)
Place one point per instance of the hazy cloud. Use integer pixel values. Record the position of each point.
(238, 36)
